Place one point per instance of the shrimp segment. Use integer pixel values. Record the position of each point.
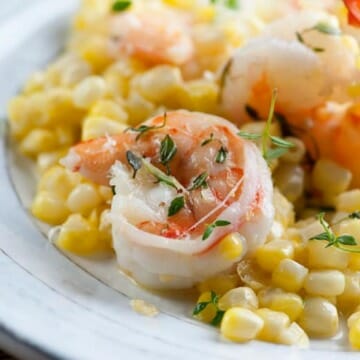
(154, 35)
(148, 242)
(306, 72)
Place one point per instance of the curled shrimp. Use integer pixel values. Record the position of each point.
(219, 178)
(299, 60)
(152, 34)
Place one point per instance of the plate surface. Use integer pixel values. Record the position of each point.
(63, 307)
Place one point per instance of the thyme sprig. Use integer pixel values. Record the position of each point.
(214, 300)
(210, 228)
(143, 129)
(340, 241)
(321, 27)
(168, 150)
(280, 146)
(120, 5)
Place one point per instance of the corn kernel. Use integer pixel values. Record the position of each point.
(205, 13)
(182, 4)
(293, 335)
(38, 141)
(243, 297)
(35, 83)
(159, 84)
(321, 257)
(208, 314)
(49, 208)
(348, 201)
(354, 262)
(231, 246)
(90, 90)
(138, 108)
(354, 335)
(220, 284)
(274, 323)
(284, 209)
(96, 126)
(59, 181)
(78, 236)
(83, 198)
(277, 300)
(269, 255)
(252, 275)
(241, 325)
(353, 318)
(349, 299)
(75, 73)
(335, 184)
(289, 275)
(109, 109)
(46, 160)
(319, 318)
(325, 283)
(106, 193)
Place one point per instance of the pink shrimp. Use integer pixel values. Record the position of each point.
(220, 178)
(153, 35)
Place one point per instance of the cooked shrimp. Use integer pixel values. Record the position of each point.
(306, 73)
(235, 190)
(154, 35)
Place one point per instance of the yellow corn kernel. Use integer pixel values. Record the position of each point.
(233, 35)
(284, 209)
(66, 136)
(79, 236)
(295, 154)
(205, 13)
(349, 299)
(138, 108)
(241, 325)
(354, 262)
(293, 335)
(274, 323)
(278, 300)
(354, 335)
(50, 208)
(353, 318)
(199, 95)
(208, 314)
(106, 193)
(96, 126)
(35, 83)
(243, 297)
(325, 283)
(220, 284)
(75, 73)
(94, 50)
(348, 201)
(48, 159)
(159, 84)
(320, 257)
(109, 109)
(335, 184)
(59, 181)
(90, 90)
(252, 275)
(353, 90)
(269, 255)
(289, 275)
(319, 318)
(182, 4)
(349, 227)
(38, 141)
(83, 198)
(231, 246)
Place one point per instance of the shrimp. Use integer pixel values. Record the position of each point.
(153, 35)
(306, 72)
(219, 178)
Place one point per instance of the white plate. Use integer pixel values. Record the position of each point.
(53, 306)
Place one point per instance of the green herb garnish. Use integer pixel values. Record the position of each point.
(199, 182)
(120, 5)
(143, 129)
(337, 241)
(168, 150)
(320, 27)
(221, 155)
(134, 161)
(281, 145)
(201, 306)
(208, 140)
(210, 228)
(176, 205)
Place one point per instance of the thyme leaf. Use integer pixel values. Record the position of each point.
(208, 140)
(221, 155)
(210, 228)
(120, 5)
(176, 205)
(199, 181)
(134, 161)
(143, 129)
(168, 150)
